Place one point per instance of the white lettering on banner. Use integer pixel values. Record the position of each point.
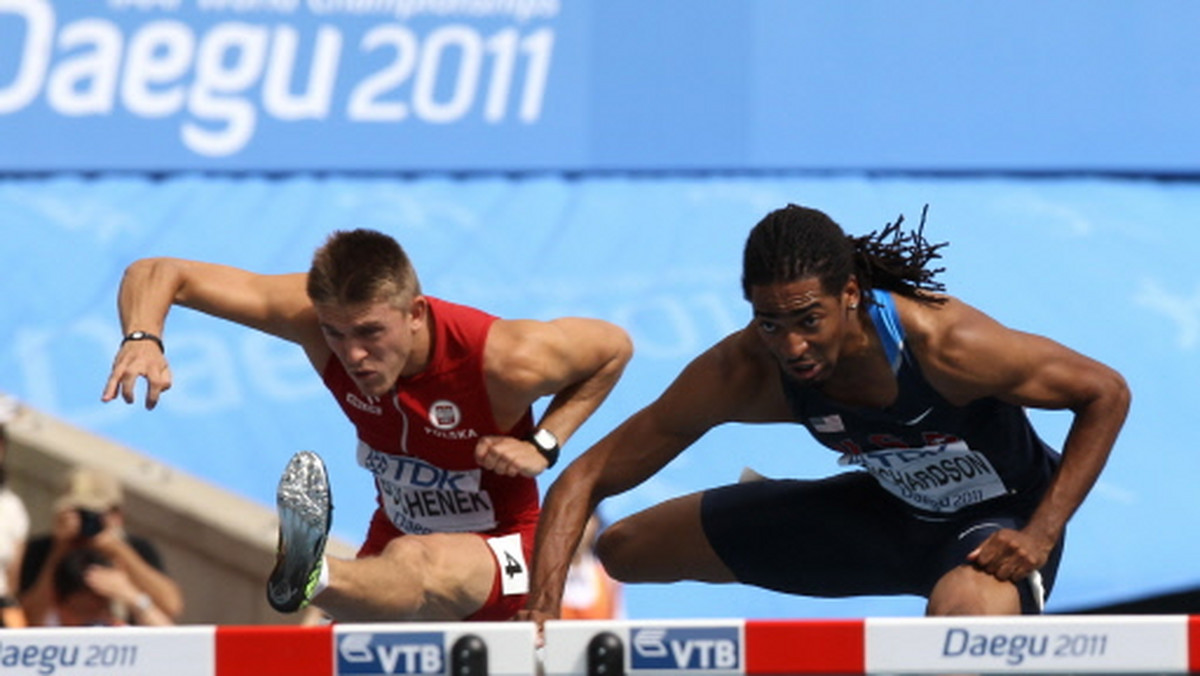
(1038, 645)
(422, 498)
(182, 652)
(519, 10)
(281, 6)
(161, 68)
(391, 653)
(941, 479)
(145, 5)
(34, 55)
(685, 648)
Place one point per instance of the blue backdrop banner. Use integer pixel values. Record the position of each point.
(513, 85)
(1104, 266)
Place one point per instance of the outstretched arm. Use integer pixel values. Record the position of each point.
(275, 304)
(733, 381)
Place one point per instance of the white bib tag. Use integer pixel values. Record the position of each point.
(514, 574)
(941, 479)
(422, 498)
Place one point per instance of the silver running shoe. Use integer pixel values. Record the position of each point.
(305, 515)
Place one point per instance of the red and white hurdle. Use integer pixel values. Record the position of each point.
(1158, 644)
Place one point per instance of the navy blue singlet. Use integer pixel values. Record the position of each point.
(936, 457)
(957, 474)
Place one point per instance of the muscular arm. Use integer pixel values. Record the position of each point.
(967, 355)
(275, 304)
(733, 381)
(576, 361)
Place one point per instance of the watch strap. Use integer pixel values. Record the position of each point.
(144, 335)
(546, 443)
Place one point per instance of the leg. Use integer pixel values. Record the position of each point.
(966, 590)
(444, 576)
(963, 589)
(665, 543)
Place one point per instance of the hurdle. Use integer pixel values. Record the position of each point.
(1084, 644)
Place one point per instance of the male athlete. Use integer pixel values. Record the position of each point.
(955, 497)
(440, 395)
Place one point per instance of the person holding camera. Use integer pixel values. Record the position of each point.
(89, 516)
(91, 592)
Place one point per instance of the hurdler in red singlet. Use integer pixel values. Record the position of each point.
(419, 443)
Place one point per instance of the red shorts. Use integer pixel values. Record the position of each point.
(498, 607)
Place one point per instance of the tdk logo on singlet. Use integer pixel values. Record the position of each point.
(386, 653)
(691, 648)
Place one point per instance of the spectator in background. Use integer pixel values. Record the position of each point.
(89, 516)
(14, 527)
(590, 594)
(90, 592)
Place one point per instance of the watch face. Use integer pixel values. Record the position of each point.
(545, 439)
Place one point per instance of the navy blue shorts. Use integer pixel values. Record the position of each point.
(846, 536)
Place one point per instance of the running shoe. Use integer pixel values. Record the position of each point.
(305, 514)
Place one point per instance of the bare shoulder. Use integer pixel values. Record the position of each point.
(544, 355)
(936, 327)
(945, 337)
(513, 341)
(966, 354)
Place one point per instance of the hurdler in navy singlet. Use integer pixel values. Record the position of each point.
(936, 457)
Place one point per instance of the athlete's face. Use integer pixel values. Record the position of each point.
(803, 327)
(377, 342)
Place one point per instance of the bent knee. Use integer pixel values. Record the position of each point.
(616, 548)
(967, 590)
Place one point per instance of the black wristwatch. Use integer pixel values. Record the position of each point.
(144, 335)
(546, 444)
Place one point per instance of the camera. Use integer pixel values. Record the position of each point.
(90, 523)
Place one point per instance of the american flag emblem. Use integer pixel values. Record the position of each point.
(827, 424)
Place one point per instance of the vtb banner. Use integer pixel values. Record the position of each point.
(284, 84)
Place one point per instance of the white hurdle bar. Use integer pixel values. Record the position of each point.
(1079, 644)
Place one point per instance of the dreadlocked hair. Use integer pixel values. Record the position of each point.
(894, 260)
(797, 242)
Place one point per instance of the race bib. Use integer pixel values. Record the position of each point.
(942, 479)
(422, 498)
(514, 573)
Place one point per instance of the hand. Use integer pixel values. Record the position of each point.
(509, 457)
(138, 359)
(1011, 555)
(109, 540)
(539, 617)
(112, 584)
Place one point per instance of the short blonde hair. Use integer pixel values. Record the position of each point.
(360, 266)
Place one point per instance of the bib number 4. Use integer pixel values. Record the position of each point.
(514, 573)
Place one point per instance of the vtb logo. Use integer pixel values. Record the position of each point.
(702, 648)
(387, 653)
